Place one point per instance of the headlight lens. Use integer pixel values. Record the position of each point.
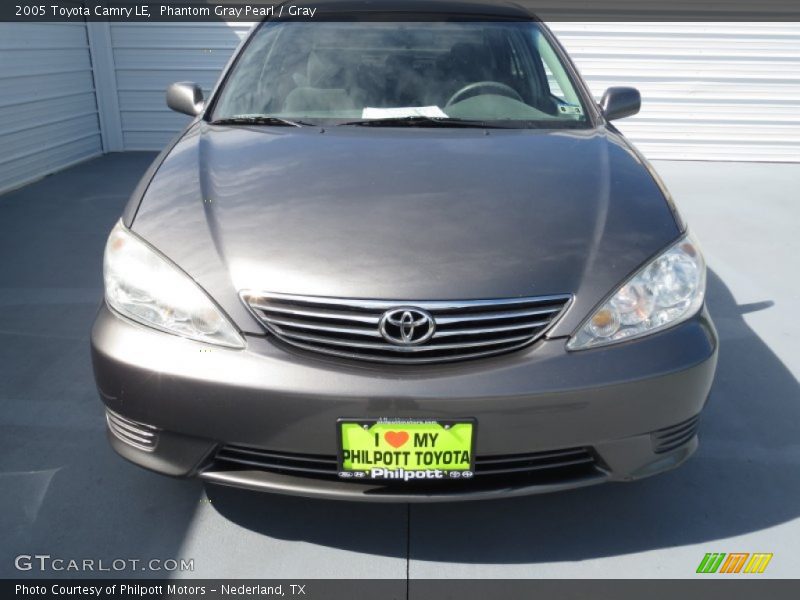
(667, 290)
(146, 287)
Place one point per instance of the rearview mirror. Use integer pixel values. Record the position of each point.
(620, 102)
(185, 97)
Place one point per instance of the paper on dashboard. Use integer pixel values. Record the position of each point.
(402, 111)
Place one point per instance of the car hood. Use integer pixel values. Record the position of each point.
(405, 214)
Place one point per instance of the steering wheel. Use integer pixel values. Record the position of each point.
(505, 90)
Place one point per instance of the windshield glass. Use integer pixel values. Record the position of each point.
(503, 73)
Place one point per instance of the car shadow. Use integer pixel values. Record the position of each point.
(741, 480)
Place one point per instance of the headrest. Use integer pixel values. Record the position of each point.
(321, 69)
(312, 99)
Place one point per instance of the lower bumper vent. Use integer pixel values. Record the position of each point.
(675, 436)
(139, 435)
(490, 471)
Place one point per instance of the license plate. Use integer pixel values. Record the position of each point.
(406, 449)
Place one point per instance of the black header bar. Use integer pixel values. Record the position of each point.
(394, 10)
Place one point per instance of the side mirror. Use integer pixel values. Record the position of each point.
(185, 97)
(620, 102)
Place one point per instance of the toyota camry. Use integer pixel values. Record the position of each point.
(403, 256)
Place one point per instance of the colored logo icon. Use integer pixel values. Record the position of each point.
(735, 562)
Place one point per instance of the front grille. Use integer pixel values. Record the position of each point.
(555, 464)
(675, 436)
(140, 435)
(462, 329)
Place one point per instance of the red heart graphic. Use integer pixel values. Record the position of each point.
(396, 438)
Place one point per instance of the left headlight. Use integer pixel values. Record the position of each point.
(145, 286)
(667, 290)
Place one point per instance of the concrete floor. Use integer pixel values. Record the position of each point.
(65, 493)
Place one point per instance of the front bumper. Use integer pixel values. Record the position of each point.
(627, 405)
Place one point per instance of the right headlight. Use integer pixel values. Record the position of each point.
(667, 290)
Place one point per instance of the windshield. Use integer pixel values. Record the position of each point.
(502, 73)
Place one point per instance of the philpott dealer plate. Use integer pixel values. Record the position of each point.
(406, 449)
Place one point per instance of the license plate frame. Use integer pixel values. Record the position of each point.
(454, 428)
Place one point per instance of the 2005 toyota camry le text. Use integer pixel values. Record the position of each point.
(403, 260)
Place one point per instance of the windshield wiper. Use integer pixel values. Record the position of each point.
(258, 120)
(418, 121)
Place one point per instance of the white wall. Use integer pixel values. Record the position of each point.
(710, 91)
(48, 113)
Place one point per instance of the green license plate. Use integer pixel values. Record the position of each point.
(406, 449)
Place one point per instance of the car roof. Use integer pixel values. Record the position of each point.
(415, 9)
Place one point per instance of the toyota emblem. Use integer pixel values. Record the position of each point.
(407, 326)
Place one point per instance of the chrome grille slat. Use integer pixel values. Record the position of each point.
(401, 349)
(407, 360)
(130, 428)
(355, 329)
(496, 316)
(432, 305)
(139, 435)
(316, 314)
(134, 426)
(126, 435)
(312, 326)
(485, 330)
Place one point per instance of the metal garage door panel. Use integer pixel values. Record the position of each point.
(710, 91)
(48, 112)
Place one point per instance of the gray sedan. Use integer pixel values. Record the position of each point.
(403, 258)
